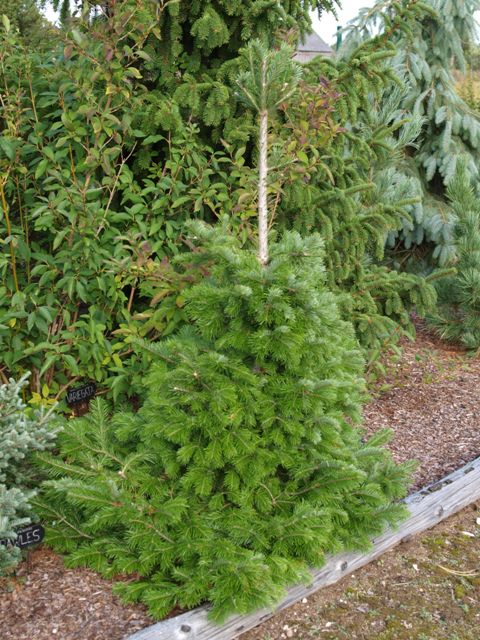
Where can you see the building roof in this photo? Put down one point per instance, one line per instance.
(313, 43)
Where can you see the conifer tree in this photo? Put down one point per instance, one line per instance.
(458, 315)
(243, 467)
(192, 53)
(349, 128)
(451, 130)
(427, 56)
(21, 432)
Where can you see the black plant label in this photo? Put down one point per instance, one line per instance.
(26, 537)
(81, 394)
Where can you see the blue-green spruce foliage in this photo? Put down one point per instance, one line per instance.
(21, 432)
(428, 54)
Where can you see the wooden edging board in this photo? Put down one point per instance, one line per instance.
(427, 507)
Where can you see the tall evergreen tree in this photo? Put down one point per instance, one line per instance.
(426, 60)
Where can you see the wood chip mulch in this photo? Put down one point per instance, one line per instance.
(47, 601)
(429, 399)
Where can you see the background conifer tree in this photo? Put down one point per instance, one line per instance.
(192, 54)
(458, 316)
(350, 135)
(428, 54)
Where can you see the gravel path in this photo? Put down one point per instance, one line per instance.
(429, 399)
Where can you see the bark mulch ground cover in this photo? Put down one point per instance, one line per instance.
(430, 400)
(47, 601)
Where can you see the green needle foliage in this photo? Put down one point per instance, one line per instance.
(349, 134)
(191, 55)
(458, 316)
(22, 431)
(271, 77)
(243, 466)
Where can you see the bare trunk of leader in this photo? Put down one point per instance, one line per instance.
(262, 190)
(262, 179)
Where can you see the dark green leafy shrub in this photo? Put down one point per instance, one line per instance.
(243, 466)
(85, 223)
(22, 431)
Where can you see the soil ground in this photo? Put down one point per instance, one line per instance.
(429, 399)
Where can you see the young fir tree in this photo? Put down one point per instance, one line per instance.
(21, 433)
(244, 466)
(458, 315)
(270, 79)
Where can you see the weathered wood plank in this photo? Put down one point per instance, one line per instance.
(427, 508)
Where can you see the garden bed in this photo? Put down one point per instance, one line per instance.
(429, 399)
